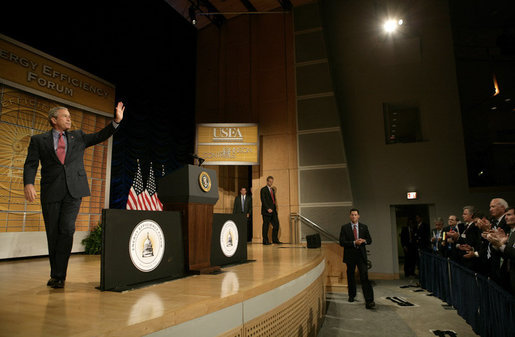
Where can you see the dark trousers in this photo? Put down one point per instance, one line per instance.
(410, 261)
(249, 229)
(60, 219)
(267, 219)
(368, 292)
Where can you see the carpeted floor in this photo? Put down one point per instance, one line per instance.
(425, 314)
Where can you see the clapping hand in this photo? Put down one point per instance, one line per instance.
(465, 247)
(497, 237)
(453, 235)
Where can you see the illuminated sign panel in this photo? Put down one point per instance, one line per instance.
(412, 195)
(228, 144)
(25, 68)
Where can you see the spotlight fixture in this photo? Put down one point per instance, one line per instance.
(391, 25)
(193, 15)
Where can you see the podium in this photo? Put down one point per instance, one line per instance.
(193, 191)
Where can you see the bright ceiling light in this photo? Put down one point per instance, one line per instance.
(390, 26)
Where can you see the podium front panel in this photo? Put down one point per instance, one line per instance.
(140, 247)
(229, 239)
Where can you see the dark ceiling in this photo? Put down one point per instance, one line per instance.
(484, 46)
(208, 12)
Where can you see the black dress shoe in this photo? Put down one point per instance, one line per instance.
(266, 243)
(51, 281)
(351, 299)
(370, 305)
(278, 242)
(58, 284)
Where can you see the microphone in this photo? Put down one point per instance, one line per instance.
(200, 160)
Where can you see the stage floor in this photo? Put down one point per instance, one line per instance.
(30, 308)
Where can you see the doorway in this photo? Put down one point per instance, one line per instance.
(402, 215)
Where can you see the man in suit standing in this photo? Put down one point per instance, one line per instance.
(498, 207)
(269, 212)
(505, 243)
(469, 240)
(452, 234)
(410, 248)
(63, 182)
(354, 237)
(422, 234)
(243, 205)
(436, 236)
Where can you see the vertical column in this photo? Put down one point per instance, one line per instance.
(324, 187)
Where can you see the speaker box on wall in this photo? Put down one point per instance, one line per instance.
(313, 241)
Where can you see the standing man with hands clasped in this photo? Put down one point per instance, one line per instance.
(354, 237)
(243, 205)
(63, 182)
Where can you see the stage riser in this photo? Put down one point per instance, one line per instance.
(295, 308)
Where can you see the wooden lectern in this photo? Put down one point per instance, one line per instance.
(193, 191)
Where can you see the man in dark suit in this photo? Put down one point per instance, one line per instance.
(243, 205)
(498, 207)
(469, 240)
(269, 212)
(422, 234)
(505, 244)
(437, 237)
(410, 248)
(452, 234)
(63, 182)
(354, 237)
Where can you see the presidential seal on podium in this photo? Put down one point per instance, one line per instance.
(205, 181)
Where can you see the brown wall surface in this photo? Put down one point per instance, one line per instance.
(245, 74)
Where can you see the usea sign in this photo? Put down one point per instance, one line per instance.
(228, 144)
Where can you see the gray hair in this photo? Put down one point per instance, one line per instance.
(471, 209)
(54, 112)
(439, 219)
(503, 203)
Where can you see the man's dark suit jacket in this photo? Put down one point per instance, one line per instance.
(56, 178)
(439, 243)
(422, 236)
(247, 205)
(266, 201)
(472, 236)
(502, 224)
(450, 249)
(508, 267)
(351, 253)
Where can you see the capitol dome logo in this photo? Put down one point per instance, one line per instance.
(147, 245)
(229, 238)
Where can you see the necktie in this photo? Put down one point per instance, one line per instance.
(436, 242)
(355, 230)
(494, 223)
(61, 148)
(243, 204)
(272, 194)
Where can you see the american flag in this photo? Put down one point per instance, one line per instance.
(135, 200)
(141, 199)
(151, 192)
